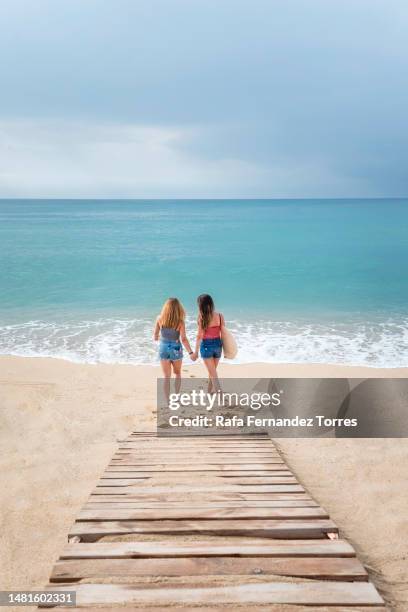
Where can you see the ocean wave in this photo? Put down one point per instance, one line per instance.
(126, 340)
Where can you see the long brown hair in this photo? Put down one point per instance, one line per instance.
(172, 314)
(206, 310)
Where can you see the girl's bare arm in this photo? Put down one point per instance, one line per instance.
(156, 332)
(200, 334)
(184, 339)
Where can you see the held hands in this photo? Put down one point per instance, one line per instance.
(193, 356)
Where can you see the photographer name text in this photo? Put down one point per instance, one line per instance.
(251, 420)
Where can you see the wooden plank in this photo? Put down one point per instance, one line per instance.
(198, 440)
(203, 493)
(196, 498)
(198, 454)
(209, 441)
(179, 476)
(197, 467)
(199, 461)
(129, 471)
(201, 488)
(186, 446)
(190, 441)
(187, 442)
(168, 452)
(322, 568)
(121, 502)
(119, 481)
(154, 433)
(165, 453)
(129, 514)
(210, 547)
(195, 448)
(210, 458)
(288, 529)
(206, 436)
(216, 477)
(193, 496)
(303, 593)
(202, 464)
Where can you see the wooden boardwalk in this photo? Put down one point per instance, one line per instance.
(210, 523)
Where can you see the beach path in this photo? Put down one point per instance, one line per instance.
(212, 523)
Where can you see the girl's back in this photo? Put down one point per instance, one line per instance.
(214, 328)
(170, 333)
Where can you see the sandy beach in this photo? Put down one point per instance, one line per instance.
(59, 426)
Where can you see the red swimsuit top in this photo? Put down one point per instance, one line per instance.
(213, 332)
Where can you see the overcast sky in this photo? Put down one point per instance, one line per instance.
(203, 98)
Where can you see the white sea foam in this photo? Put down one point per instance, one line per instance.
(125, 340)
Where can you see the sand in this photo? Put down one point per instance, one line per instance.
(59, 425)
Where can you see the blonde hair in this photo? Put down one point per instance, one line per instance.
(172, 314)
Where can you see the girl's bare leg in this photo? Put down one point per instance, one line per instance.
(166, 367)
(177, 373)
(214, 383)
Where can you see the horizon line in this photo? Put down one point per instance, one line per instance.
(195, 199)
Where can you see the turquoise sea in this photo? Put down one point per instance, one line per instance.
(297, 280)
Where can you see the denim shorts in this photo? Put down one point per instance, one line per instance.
(211, 348)
(170, 350)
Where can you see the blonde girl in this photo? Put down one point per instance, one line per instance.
(171, 331)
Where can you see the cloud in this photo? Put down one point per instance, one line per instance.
(75, 159)
(203, 99)
(79, 159)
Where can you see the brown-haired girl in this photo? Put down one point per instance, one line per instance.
(210, 324)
